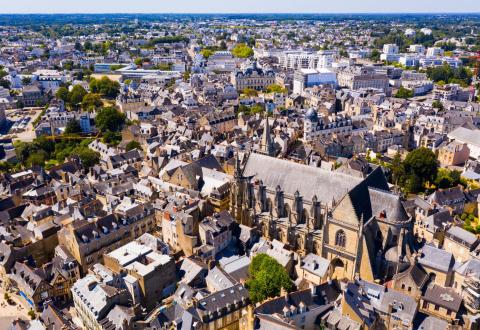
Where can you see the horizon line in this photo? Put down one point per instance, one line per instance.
(244, 13)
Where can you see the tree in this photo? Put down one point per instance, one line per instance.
(62, 94)
(437, 105)
(275, 89)
(242, 51)
(77, 94)
(5, 167)
(266, 278)
(73, 126)
(38, 158)
(447, 179)
(105, 87)
(420, 167)
(133, 145)
(404, 93)
(257, 108)
(110, 119)
(91, 102)
(26, 80)
(375, 55)
(32, 314)
(206, 52)
(398, 170)
(87, 156)
(249, 92)
(111, 138)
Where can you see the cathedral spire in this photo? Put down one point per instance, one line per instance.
(266, 145)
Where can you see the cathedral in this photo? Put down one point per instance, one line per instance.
(356, 223)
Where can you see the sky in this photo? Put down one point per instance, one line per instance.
(238, 6)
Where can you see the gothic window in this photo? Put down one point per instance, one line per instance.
(340, 238)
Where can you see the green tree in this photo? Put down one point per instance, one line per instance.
(133, 145)
(404, 93)
(375, 55)
(91, 102)
(26, 80)
(62, 94)
(206, 52)
(447, 179)
(437, 105)
(242, 51)
(421, 166)
(110, 119)
(266, 278)
(257, 108)
(105, 87)
(73, 127)
(398, 170)
(275, 89)
(111, 138)
(87, 156)
(249, 92)
(38, 158)
(77, 94)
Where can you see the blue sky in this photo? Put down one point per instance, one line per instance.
(237, 6)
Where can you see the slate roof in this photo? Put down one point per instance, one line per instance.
(433, 257)
(291, 176)
(462, 236)
(322, 295)
(444, 297)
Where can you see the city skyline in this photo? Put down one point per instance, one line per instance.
(247, 6)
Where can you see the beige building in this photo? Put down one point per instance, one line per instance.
(329, 217)
(453, 154)
(253, 78)
(441, 302)
(89, 241)
(154, 272)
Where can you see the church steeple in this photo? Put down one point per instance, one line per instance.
(266, 145)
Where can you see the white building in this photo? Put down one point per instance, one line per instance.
(299, 60)
(434, 51)
(410, 33)
(306, 78)
(468, 136)
(390, 49)
(419, 49)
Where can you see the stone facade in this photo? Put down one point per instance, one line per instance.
(311, 210)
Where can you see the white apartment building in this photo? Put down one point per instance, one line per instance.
(296, 60)
(434, 51)
(305, 78)
(419, 49)
(390, 49)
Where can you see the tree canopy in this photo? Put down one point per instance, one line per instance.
(266, 278)
(105, 87)
(133, 145)
(110, 119)
(404, 93)
(242, 51)
(420, 167)
(274, 88)
(73, 126)
(91, 102)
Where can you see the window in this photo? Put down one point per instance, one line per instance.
(340, 238)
